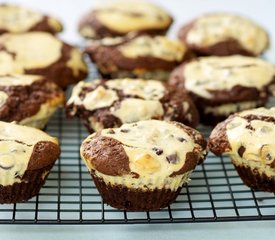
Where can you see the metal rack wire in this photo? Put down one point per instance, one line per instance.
(69, 196)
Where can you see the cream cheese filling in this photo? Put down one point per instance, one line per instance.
(17, 18)
(133, 109)
(147, 89)
(32, 50)
(126, 16)
(226, 109)
(3, 98)
(158, 47)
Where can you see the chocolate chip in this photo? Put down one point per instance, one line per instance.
(173, 158)
(250, 127)
(181, 139)
(111, 131)
(124, 130)
(158, 151)
(241, 150)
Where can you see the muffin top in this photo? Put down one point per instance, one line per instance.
(130, 100)
(36, 51)
(145, 149)
(24, 149)
(248, 135)
(207, 76)
(120, 17)
(17, 19)
(212, 29)
(133, 46)
(21, 96)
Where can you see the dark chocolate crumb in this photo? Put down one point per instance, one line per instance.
(241, 150)
(124, 130)
(134, 175)
(181, 139)
(173, 158)
(250, 127)
(158, 151)
(269, 157)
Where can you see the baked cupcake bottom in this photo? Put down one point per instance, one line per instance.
(22, 191)
(256, 180)
(257, 176)
(124, 198)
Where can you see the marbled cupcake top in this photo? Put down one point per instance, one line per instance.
(223, 73)
(130, 100)
(214, 28)
(17, 19)
(149, 149)
(248, 135)
(126, 16)
(40, 53)
(24, 148)
(28, 99)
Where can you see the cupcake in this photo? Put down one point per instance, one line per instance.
(29, 99)
(18, 19)
(106, 104)
(118, 18)
(26, 157)
(221, 86)
(135, 56)
(248, 138)
(142, 166)
(224, 34)
(43, 54)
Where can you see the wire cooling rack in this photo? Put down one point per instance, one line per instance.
(69, 196)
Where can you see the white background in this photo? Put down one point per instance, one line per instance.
(69, 11)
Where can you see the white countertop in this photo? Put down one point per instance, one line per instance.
(69, 11)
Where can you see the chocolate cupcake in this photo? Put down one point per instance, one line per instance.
(142, 166)
(121, 17)
(248, 138)
(42, 54)
(135, 56)
(28, 99)
(224, 34)
(221, 86)
(18, 19)
(26, 157)
(104, 104)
